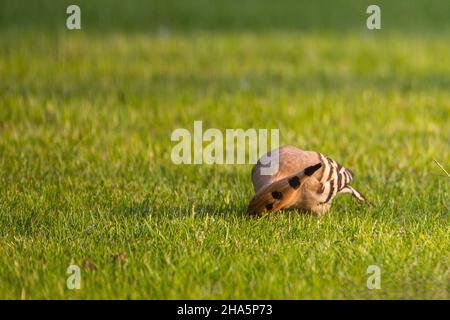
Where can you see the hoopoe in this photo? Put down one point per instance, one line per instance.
(305, 180)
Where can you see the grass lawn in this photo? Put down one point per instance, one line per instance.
(86, 176)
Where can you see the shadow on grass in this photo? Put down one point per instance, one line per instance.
(201, 209)
(219, 193)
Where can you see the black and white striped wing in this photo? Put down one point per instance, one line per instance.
(335, 178)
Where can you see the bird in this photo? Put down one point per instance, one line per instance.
(305, 180)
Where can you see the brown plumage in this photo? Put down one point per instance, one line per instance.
(305, 180)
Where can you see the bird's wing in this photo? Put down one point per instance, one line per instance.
(334, 173)
(290, 160)
(280, 194)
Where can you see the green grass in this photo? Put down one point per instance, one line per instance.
(86, 176)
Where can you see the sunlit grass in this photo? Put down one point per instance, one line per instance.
(86, 176)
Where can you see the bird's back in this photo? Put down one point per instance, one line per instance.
(291, 159)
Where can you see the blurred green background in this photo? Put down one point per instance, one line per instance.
(244, 15)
